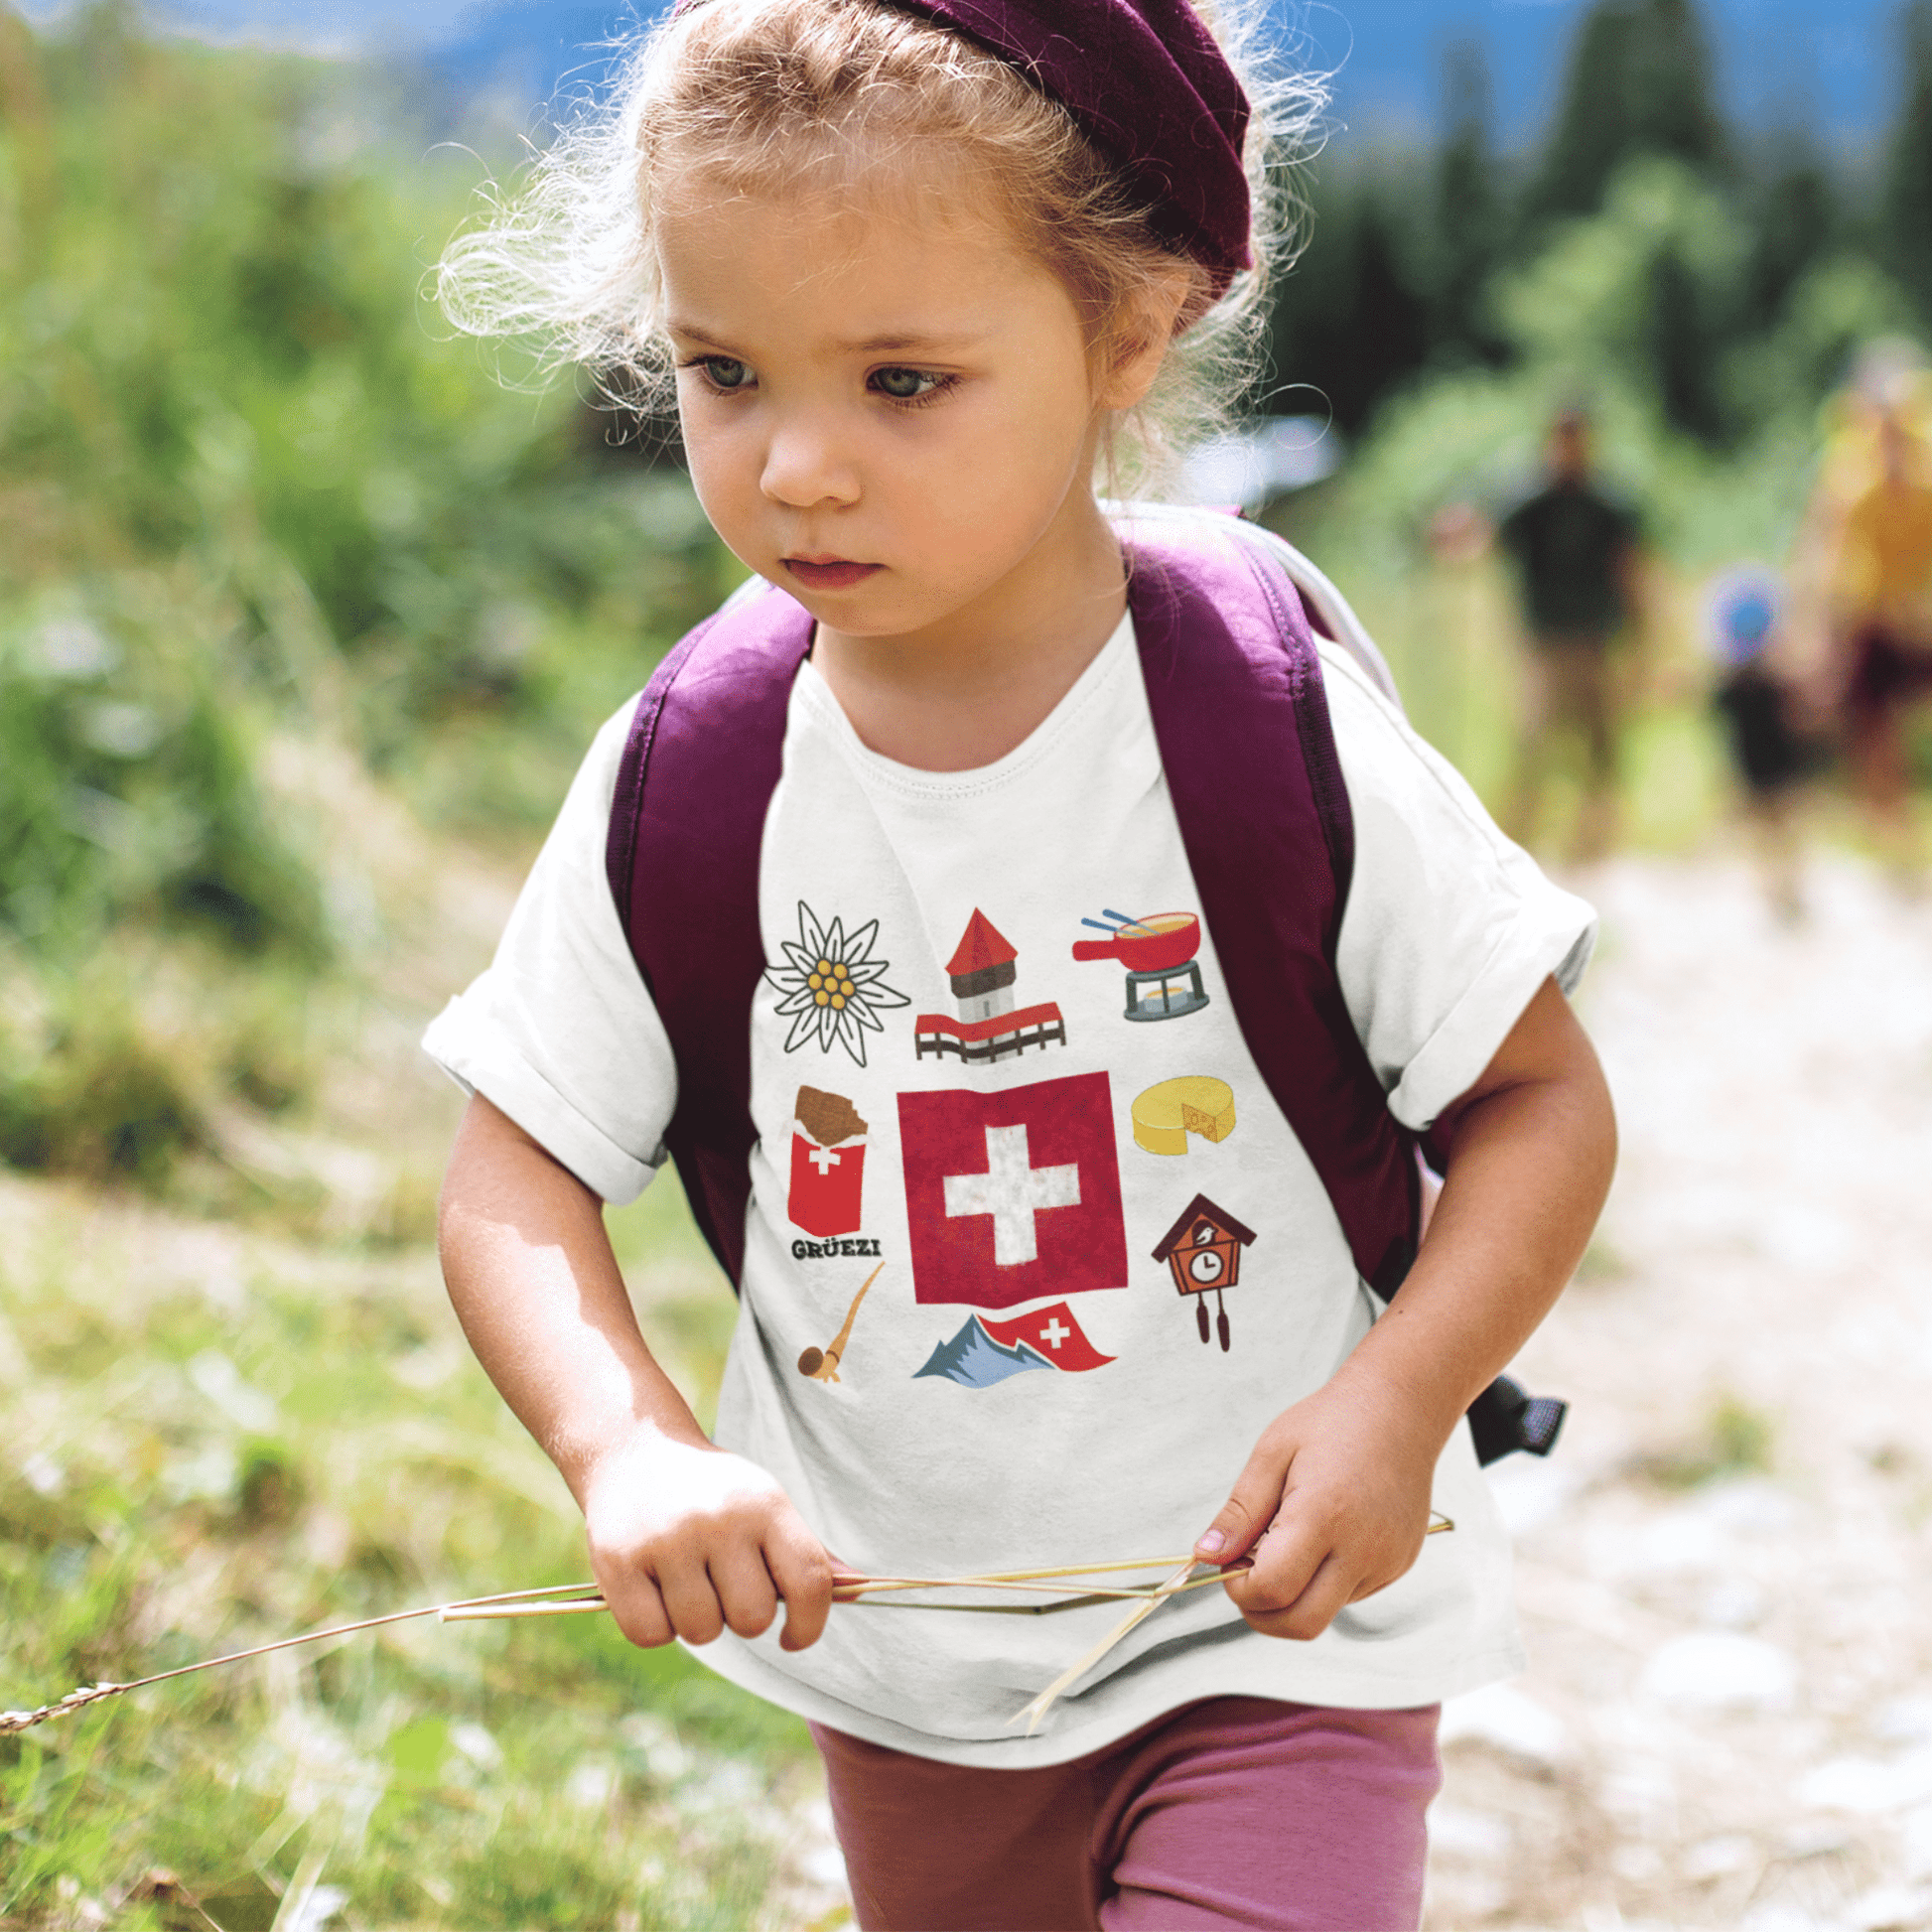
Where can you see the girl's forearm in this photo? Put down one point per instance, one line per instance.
(1531, 1150)
(541, 1298)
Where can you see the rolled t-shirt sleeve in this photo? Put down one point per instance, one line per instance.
(560, 1032)
(1449, 926)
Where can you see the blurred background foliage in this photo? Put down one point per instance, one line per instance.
(1724, 273)
(1701, 288)
(304, 619)
(250, 491)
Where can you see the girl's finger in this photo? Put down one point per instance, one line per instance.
(744, 1589)
(690, 1602)
(1251, 1504)
(802, 1573)
(638, 1608)
(1329, 1593)
(1285, 1563)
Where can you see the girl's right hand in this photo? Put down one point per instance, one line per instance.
(686, 1539)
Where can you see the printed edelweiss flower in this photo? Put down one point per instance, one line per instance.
(832, 985)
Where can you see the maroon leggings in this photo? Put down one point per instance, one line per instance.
(1232, 1812)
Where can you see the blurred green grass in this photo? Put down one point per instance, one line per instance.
(192, 1472)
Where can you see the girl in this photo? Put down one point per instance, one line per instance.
(918, 269)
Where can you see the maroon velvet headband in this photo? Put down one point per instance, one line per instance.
(1149, 88)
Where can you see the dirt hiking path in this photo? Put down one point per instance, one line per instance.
(1724, 1571)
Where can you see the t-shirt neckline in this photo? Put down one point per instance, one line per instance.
(874, 767)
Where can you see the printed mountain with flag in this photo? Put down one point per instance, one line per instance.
(985, 1352)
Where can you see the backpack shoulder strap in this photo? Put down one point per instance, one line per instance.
(703, 759)
(1327, 609)
(1234, 683)
(1330, 615)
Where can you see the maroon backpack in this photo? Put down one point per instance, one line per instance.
(1234, 682)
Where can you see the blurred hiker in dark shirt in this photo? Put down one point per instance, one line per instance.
(1576, 552)
(1770, 754)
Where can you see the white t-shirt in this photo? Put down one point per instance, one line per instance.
(1069, 1176)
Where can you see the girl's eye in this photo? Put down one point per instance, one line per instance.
(726, 372)
(908, 386)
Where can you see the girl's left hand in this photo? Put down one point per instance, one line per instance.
(1332, 1506)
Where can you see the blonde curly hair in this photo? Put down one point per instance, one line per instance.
(764, 95)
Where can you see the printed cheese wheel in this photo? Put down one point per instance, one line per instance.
(1166, 1114)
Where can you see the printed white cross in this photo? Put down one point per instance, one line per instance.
(1012, 1190)
(823, 1159)
(1054, 1333)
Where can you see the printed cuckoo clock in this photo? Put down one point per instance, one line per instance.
(1204, 1252)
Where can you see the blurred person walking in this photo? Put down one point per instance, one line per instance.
(1879, 591)
(1577, 551)
(1759, 704)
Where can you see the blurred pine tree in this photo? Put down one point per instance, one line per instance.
(1672, 83)
(1905, 213)
(1591, 130)
(1639, 82)
(1470, 217)
(1686, 344)
(1352, 323)
(1794, 221)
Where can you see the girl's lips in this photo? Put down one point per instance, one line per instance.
(831, 576)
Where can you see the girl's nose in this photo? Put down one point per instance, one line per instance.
(804, 467)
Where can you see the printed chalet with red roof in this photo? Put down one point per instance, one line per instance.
(982, 973)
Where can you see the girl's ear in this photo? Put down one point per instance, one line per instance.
(1130, 353)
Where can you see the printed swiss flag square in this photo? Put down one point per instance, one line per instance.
(1012, 1197)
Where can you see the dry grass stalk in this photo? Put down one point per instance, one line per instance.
(871, 1586)
(851, 1587)
(14, 1720)
(577, 1599)
(479, 1613)
(1077, 1570)
(1178, 1585)
(11, 1721)
(862, 1592)
(989, 1577)
(1087, 1601)
(1135, 1617)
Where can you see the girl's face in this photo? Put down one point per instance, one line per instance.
(889, 412)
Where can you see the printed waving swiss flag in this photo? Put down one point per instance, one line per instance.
(1014, 1195)
(1054, 1333)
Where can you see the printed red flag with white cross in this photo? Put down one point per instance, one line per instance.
(1012, 1197)
(1054, 1334)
